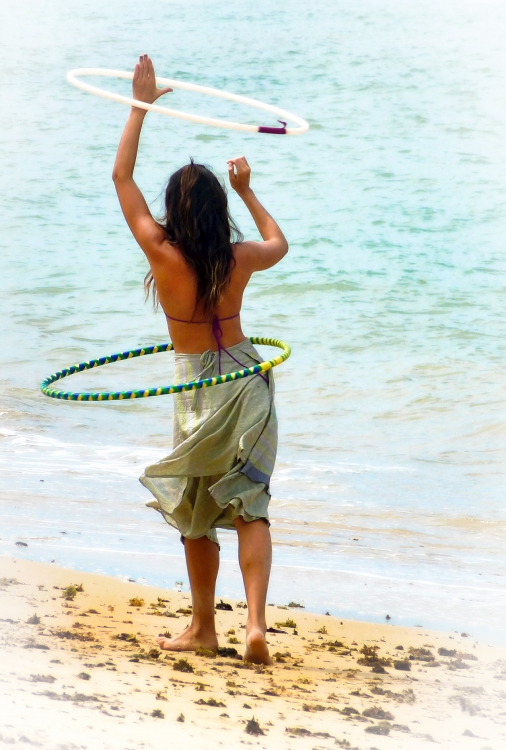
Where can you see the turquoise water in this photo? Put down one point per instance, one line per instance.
(388, 495)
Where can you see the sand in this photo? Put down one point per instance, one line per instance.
(80, 669)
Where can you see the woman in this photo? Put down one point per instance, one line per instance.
(225, 437)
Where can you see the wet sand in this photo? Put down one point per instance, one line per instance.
(80, 669)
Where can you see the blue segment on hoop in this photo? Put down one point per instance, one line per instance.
(160, 390)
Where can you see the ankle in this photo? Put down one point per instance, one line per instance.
(202, 625)
(256, 625)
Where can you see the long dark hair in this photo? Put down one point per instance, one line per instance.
(198, 221)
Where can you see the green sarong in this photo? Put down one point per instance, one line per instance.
(224, 447)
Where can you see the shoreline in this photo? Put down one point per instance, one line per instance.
(352, 593)
(85, 672)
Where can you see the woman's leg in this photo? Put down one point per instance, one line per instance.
(202, 561)
(255, 557)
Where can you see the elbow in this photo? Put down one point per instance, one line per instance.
(285, 248)
(120, 176)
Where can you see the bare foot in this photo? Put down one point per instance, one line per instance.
(257, 651)
(189, 640)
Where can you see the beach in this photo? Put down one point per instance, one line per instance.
(80, 669)
(388, 490)
(387, 598)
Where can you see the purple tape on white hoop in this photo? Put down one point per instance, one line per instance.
(274, 131)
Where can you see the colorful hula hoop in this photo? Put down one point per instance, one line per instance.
(163, 390)
(302, 125)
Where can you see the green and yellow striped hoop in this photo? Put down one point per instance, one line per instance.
(163, 390)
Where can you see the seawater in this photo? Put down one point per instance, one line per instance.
(388, 496)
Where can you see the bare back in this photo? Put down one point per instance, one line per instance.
(177, 288)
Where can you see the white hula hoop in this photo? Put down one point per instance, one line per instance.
(302, 125)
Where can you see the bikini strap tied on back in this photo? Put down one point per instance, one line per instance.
(218, 335)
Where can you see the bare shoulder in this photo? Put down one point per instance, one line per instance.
(168, 266)
(258, 256)
(166, 254)
(244, 251)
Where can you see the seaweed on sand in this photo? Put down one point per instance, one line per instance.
(370, 657)
(280, 658)
(404, 665)
(152, 654)
(350, 711)
(136, 602)
(70, 593)
(376, 712)
(407, 696)
(76, 698)
(8, 582)
(420, 654)
(224, 606)
(69, 635)
(158, 605)
(288, 623)
(211, 702)
(313, 707)
(299, 731)
(467, 657)
(382, 728)
(253, 727)
(334, 645)
(303, 732)
(457, 664)
(128, 637)
(183, 665)
(473, 709)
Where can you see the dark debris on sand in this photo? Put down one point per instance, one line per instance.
(253, 727)
(183, 665)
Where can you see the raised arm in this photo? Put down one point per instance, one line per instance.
(264, 254)
(144, 228)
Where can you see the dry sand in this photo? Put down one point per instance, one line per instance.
(86, 673)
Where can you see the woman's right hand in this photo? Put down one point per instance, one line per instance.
(239, 173)
(144, 86)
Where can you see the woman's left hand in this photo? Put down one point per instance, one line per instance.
(144, 86)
